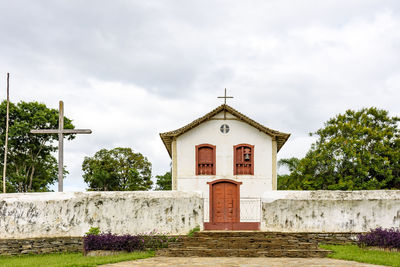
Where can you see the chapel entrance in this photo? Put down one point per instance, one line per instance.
(225, 202)
(224, 207)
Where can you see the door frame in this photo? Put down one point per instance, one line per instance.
(237, 225)
(237, 219)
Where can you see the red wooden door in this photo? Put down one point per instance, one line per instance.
(225, 202)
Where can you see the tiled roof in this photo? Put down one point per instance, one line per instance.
(168, 136)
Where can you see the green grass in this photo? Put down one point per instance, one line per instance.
(69, 259)
(193, 231)
(354, 253)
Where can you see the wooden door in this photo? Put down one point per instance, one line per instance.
(225, 202)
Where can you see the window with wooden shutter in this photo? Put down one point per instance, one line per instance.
(205, 159)
(243, 159)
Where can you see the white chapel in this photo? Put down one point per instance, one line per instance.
(226, 156)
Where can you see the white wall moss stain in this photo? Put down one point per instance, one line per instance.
(173, 212)
(330, 211)
(72, 214)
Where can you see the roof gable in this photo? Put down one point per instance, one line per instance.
(167, 137)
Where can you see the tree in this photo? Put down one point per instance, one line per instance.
(357, 150)
(284, 180)
(30, 164)
(164, 182)
(118, 169)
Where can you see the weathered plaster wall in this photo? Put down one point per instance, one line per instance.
(72, 214)
(330, 211)
(239, 133)
(43, 215)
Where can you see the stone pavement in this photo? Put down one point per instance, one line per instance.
(233, 262)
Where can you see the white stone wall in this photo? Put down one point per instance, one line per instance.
(330, 211)
(240, 132)
(72, 214)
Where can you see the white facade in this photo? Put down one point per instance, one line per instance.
(209, 132)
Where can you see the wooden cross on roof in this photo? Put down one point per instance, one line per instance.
(61, 131)
(225, 97)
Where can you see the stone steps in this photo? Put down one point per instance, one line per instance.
(204, 252)
(253, 234)
(257, 245)
(244, 244)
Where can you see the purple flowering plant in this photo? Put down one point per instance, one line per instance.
(384, 238)
(108, 241)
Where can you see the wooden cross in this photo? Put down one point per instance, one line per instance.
(225, 97)
(61, 131)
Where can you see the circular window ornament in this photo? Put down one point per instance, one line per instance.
(224, 128)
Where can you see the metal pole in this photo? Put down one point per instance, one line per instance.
(6, 142)
(60, 146)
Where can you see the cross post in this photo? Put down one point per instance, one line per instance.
(60, 146)
(61, 131)
(225, 97)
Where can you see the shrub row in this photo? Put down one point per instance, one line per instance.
(384, 238)
(113, 242)
(108, 241)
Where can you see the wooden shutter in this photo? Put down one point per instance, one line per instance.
(243, 159)
(205, 159)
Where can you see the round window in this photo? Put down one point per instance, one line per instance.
(224, 128)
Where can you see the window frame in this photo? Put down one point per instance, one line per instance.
(197, 148)
(235, 171)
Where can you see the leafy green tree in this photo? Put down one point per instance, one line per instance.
(30, 163)
(118, 169)
(284, 180)
(164, 182)
(357, 150)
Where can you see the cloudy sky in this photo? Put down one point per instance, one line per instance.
(129, 70)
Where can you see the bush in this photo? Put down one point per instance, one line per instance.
(93, 231)
(113, 242)
(129, 243)
(384, 238)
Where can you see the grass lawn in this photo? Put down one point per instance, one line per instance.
(69, 259)
(354, 253)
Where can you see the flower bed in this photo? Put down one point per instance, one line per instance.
(129, 243)
(383, 238)
(113, 242)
